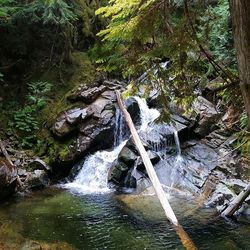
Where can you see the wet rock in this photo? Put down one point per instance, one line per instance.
(134, 110)
(245, 209)
(155, 158)
(207, 116)
(37, 179)
(153, 99)
(127, 156)
(118, 173)
(220, 197)
(8, 179)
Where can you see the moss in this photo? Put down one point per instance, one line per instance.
(81, 71)
(55, 150)
(64, 152)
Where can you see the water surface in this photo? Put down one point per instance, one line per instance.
(102, 221)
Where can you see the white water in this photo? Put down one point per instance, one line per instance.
(179, 159)
(94, 173)
(147, 115)
(92, 178)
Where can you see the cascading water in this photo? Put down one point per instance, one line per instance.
(177, 142)
(93, 175)
(177, 169)
(119, 128)
(147, 115)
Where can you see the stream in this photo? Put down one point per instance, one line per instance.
(102, 221)
(86, 213)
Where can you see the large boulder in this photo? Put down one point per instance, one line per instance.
(134, 110)
(208, 116)
(8, 179)
(67, 121)
(87, 127)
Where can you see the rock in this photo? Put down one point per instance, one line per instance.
(110, 95)
(154, 97)
(74, 116)
(134, 110)
(38, 164)
(106, 117)
(245, 210)
(66, 122)
(37, 179)
(207, 116)
(87, 94)
(118, 173)
(97, 107)
(114, 84)
(8, 179)
(220, 197)
(155, 158)
(230, 118)
(127, 156)
(22, 172)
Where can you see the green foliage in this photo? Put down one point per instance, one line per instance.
(139, 34)
(7, 8)
(243, 142)
(25, 120)
(53, 12)
(215, 27)
(243, 121)
(38, 94)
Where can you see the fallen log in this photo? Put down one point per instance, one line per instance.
(186, 241)
(6, 155)
(236, 203)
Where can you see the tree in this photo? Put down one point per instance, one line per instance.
(139, 34)
(240, 13)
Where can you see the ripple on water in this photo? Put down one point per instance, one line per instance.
(103, 222)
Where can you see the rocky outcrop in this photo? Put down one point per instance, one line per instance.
(208, 168)
(86, 127)
(207, 116)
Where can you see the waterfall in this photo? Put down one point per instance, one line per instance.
(147, 115)
(177, 142)
(92, 178)
(178, 166)
(119, 127)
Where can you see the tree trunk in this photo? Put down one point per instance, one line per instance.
(240, 13)
(237, 202)
(186, 241)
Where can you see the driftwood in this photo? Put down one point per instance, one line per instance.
(6, 155)
(235, 204)
(186, 241)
